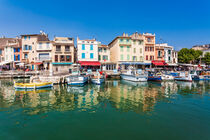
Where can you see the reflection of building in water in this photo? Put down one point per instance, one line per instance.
(87, 100)
(169, 88)
(7, 95)
(136, 98)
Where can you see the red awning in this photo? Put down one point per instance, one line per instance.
(37, 63)
(159, 63)
(90, 63)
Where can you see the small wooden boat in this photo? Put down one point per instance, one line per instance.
(184, 77)
(32, 85)
(134, 76)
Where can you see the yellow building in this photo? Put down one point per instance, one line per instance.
(128, 50)
(63, 51)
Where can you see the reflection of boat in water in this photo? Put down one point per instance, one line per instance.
(134, 83)
(24, 91)
(77, 90)
(184, 84)
(32, 85)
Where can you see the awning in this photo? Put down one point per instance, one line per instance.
(37, 63)
(62, 63)
(159, 63)
(90, 63)
(20, 64)
(135, 63)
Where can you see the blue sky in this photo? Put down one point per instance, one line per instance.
(181, 23)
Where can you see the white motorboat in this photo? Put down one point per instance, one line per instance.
(134, 75)
(77, 80)
(183, 76)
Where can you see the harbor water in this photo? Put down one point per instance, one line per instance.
(115, 110)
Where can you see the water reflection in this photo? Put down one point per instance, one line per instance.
(121, 95)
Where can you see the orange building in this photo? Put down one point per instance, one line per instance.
(149, 52)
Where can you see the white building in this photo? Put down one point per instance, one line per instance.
(87, 53)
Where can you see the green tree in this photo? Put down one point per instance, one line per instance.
(184, 56)
(189, 55)
(207, 58)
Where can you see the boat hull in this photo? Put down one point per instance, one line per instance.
(154, 78)
(33, 85)
(76, 81)
(134, 78)
(183, 79)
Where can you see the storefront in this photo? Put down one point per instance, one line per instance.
(136, 65)
(93, 65)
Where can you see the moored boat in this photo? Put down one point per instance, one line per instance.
(33, 85)
(98, 78)
(134, 75)
(184, 77)
(77, 80)
(154, 77)
(166, 77)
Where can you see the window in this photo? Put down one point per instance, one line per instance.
(58, 48)
(105, 57)
(56, 58)
(25, 37)
(105, 50)
(127, 40)
(0, 52)
(128, 57)
(134, 41)
(134, 58)
(140, 50)
(169, 51)
(149, 40)
(159, 53)
(146, 57)
(134, 50)
(68, 58)
(121, 40)
(99, 49)
(140, 42)
(67, 48)
(62, 58)
(91, 55)
(141, 58)
(14, 57)
(30, 47)
(83, 55)
(14, 49)
(25, 55)
(128, 49)
(25, 47)
(121, 57)
(18, 57)
(18, 49)
(169, 58)
(91, 47)
(121, 48)
(151, 57)
(83, 46)
(29, 37)
(99, 57)
(40, 45)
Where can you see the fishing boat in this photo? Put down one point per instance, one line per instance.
(134, 75)
(98, 78)
(77, 80)
(154, 76)
(183, 76)
(33, 85)
(202, 75)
